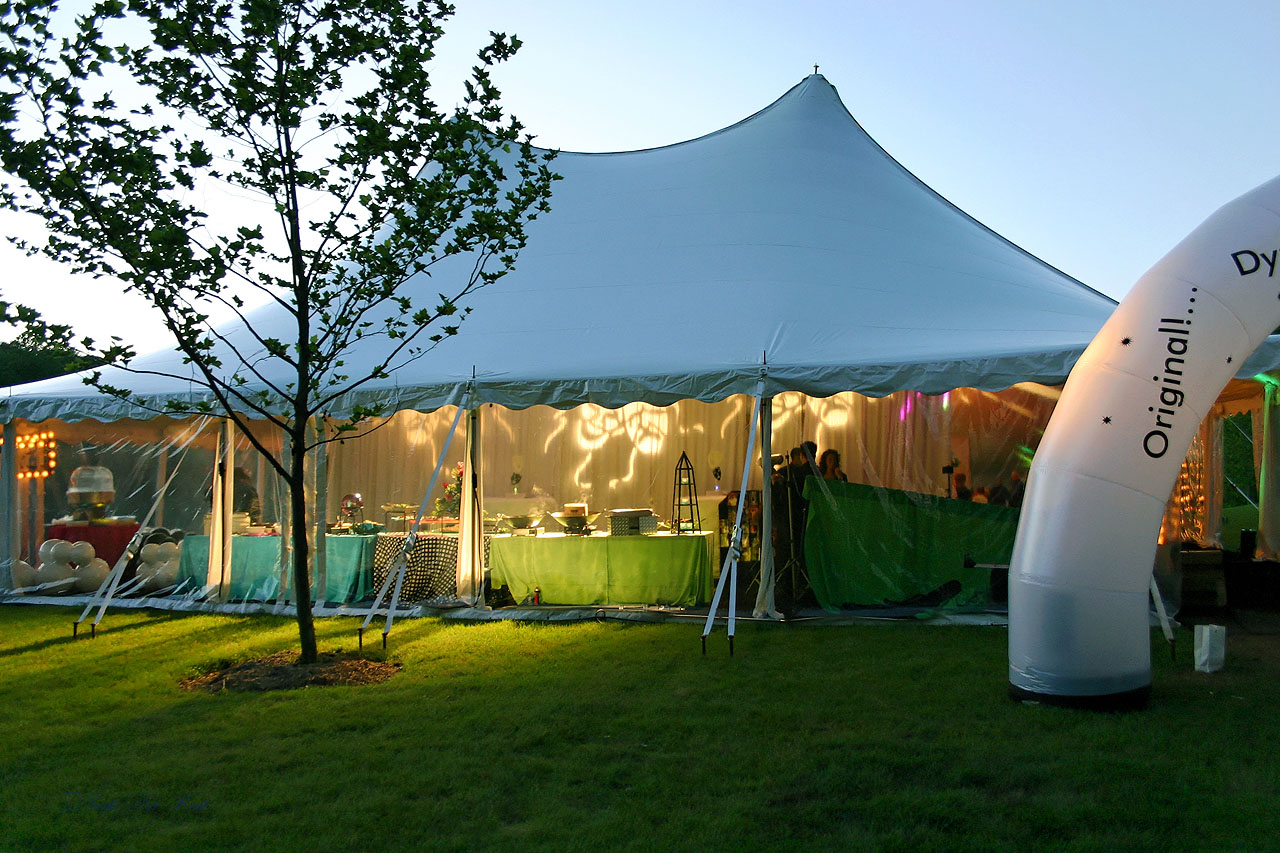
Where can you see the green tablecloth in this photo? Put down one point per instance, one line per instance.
(883, 546)
(255, 566)
(657, 569)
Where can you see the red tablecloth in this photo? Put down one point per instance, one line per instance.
(108, 540)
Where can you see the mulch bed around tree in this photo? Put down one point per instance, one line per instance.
(281, 671)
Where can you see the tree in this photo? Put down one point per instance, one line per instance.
(40, 350)
(35, 355)
(320, 107)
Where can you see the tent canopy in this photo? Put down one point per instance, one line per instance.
(672, 273)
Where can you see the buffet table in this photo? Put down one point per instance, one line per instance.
(656, 569)
(432, 568)
(255, 566)
(108, 540)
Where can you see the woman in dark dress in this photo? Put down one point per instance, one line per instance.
(829, 466)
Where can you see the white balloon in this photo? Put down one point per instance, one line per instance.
(89, 577)
(1078, 583)
(23, 574)
(59, 551)
(46, 549)
(81, 553)
(54, 571)
(166, 575)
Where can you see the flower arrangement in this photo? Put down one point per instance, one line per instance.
(450, 506)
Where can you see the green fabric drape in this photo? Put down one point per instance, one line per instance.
(868, 546)
(605, 569)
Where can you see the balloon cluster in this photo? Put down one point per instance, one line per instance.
(158, 566)
(154, 566)
(65, 567)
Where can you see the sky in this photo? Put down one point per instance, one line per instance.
(1093, 134)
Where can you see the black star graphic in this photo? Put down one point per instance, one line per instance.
(1126, 342)
(1229, 359)
(1107, 419)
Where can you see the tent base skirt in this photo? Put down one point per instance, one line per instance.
(1127, 700)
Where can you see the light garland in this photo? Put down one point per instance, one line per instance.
(37, 455)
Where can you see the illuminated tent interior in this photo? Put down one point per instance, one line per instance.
(618, 457)
(787, 255)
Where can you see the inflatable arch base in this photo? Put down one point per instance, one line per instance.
(1130, 700)
(1096, 653)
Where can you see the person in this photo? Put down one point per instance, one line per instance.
(1017, 489)
(979, 495)
(789, 517)
(963, 492)
(244, 496)
(999, 494)
(798, 471)
(829, 466)
(810, 449)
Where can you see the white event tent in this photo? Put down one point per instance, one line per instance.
(669, 273)
(785, 253)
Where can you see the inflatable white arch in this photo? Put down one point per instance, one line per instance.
(1079, 629)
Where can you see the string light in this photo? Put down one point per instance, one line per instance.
(37, 455)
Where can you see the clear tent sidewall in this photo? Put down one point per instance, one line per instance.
(620, 439)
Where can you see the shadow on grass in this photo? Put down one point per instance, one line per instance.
(86, 634)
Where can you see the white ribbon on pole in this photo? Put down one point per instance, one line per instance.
(396, 572)
(729, 570)
(109, 586)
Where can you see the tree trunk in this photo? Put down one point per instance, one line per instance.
(301, 546)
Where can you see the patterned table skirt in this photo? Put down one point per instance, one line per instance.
(432, 570)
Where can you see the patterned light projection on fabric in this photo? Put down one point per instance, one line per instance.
(1102, 475)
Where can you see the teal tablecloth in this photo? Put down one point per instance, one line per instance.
(657, 569)
(255, 566)
(883, 546)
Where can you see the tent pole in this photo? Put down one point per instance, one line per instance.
(765, 606)
(283, 519)
(213, 570)
(228, 504)
(470, 568)
(10, 539)
(1212, 479)
(162, 474)
(37, 517)
(1269, 476)
(320, 551)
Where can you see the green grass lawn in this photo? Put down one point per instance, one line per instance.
(616, 736)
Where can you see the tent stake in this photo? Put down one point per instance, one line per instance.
(93, 630)
(704, 646)
(360, 633)
(75, 628)
(384, 640)
(730, 646)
